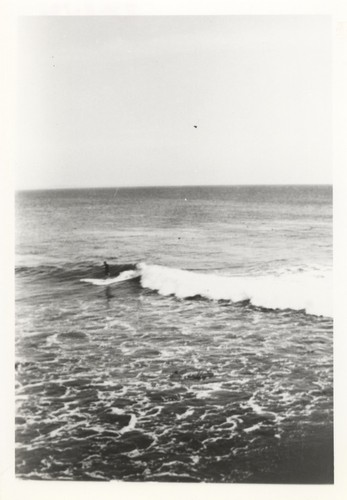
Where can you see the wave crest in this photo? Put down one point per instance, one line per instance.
(307, 291)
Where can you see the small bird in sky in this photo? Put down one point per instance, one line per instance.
(195, 126)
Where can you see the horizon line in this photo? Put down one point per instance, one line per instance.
(75, 188)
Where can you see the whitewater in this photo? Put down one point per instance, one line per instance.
(309, 291)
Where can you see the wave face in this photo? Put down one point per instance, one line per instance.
(306, 290)
(70, 272)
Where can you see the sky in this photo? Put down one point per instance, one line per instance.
(108, 101)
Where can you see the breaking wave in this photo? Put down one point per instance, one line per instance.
(299, 291)
(307, 291)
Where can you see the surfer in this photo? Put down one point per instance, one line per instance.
(107, 269)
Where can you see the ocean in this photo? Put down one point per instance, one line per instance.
(206, 355)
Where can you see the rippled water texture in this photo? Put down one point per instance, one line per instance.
(128, 382)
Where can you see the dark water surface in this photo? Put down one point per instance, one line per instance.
(211, 362)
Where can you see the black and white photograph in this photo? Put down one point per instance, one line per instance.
(174, 249)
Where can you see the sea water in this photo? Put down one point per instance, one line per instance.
(206, 355)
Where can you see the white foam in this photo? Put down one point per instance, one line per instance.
(186, 414)
(124, 276)
(305, 290)
(254, 427)
(117, 411)
(131, 425)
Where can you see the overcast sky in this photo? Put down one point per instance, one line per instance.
(112, 101)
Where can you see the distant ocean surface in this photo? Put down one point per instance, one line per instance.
(206, 355)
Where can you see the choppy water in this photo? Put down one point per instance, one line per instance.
(211, 362)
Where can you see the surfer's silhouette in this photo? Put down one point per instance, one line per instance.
(107, 269)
